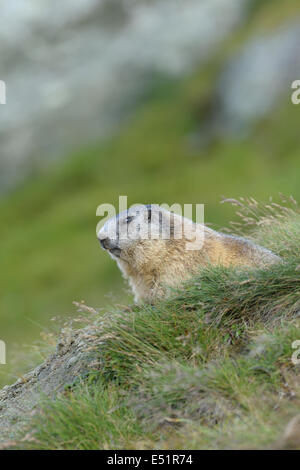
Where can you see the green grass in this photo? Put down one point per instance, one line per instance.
(91, 419)
(209, 367)
(49, 253)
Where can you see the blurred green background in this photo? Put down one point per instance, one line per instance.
(160, 154)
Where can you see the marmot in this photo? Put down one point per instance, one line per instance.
(155, 249)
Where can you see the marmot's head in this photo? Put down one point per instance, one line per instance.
(142, 234)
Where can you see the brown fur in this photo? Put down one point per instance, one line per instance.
(153, 265)
(157, 264)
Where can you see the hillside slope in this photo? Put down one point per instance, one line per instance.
(49, 253)
(215, 366)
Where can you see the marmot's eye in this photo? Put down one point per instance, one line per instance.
(129, 219)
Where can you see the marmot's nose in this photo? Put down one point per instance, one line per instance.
(105, 243)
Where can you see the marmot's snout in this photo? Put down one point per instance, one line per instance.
(121, 232)
(105, 243)
(110, 245)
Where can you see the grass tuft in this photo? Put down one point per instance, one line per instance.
(210, 367)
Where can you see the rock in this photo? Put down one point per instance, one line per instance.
(74, 357)
(75, 70)
(254, 82)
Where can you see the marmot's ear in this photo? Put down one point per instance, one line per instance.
(151, 208)
(149, 213)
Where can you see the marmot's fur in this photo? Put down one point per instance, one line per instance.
(155, 248)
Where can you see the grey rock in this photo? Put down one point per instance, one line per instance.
(75, 70)
(256, 80)
(73, 359)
